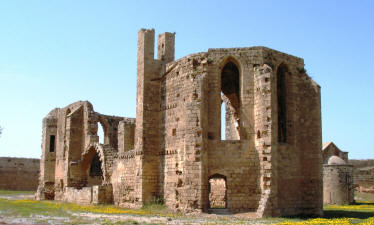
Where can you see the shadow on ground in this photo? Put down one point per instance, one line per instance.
(329, 214)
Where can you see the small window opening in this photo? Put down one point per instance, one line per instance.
(258, 134)
(174, 132)
(282, 108)
(217, 192)
(52, 143)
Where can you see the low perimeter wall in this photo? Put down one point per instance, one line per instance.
(21, 174)
(98, 194)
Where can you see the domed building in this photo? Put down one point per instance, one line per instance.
(337, 176)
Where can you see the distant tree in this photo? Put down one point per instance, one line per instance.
(1, 130)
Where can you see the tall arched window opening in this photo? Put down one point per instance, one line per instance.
(282, 103)
(231, 101)
(223, 118)
(100, 133)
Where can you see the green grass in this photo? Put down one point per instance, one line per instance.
(29, 207)
(50, 209)
(26, 208)
(10, 192)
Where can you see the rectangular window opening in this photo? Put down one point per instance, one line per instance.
(52, 143)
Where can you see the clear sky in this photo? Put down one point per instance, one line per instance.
(53, 53)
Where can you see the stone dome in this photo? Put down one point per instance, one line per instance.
(336, 160)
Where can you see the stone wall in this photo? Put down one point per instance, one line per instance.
(97, 194)
(71, 143)
(364, 179)
(296, 162)
(79, 196)
(123, 180)
(21, 174)
(363, 173)
(126, 135)
(181, 177)
(262, 175)
(361, 163)
(239, 165)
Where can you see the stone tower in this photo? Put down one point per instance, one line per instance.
(48, 160)
(338, 182)
(148, 113)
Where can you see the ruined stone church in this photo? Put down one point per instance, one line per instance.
(269, 162)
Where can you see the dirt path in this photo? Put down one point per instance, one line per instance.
(90, 218)
(93, 218)
(18, 196)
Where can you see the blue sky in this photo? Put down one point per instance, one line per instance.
(53, 53)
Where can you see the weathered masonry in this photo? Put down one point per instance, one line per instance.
(268, 162)
(19, 173)
(75, 166)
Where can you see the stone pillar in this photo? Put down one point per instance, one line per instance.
(195, 193)
(165, 47)
(148, 119)
(264, 129)
(126, 132)
(74, 176)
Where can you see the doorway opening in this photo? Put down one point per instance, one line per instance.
(95, 173)
(217, 192)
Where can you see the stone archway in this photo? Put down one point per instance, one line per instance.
(93, 165)
(95, 172)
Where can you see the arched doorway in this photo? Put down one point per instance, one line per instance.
(95, 173)
(92, 167)
(217, 192)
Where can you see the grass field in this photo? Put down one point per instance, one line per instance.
(7, 192)
(50, 212)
